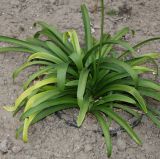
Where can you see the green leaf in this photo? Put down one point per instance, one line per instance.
(142, 83)
(51, 29)
(40, 97)
(141, 69)
(44, 56)
(140, 44)
(128, 109)
(84, 106)
(77, 59)
(74, 41)
(28, 64)
(143, 58)
(154, 119)
(40, 115)
(15, 49)
(150, 93)
(154, 111)
(72, 83)
(37, 42)
(23, 44)
(39, 73)
(116, 97)
(120, 121)
(57, 100)
(87, 27)
(61, 75)
(149, 84)
(102, 27)
(19, 130)
(127, 89)
(56, 50)
(82, 85)
(106, 132)
(112, 77)
(96, 47)
(27, 92)
(27, 123)
(50, 111)
(123, 65)
(53, 38)
(54, 33)
(117, 36)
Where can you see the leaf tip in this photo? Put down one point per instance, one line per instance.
(9, 108)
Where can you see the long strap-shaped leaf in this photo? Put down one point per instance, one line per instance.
(155, 111)
(143, 58)
(117, 36)
(15, 49)
(52, 38)
(154, 119)
(102, 27)
(150, 93)
(110, 79)
(51, 110)
(61, 75)
(143, 83)
(128, 89)
(37, 74)
(39, 116)
(140, 44)
(84, 106)
(23, 44)
(82, 85)
(37, 42)
(96, 47)
(106, 132)
(27, 92)
(128, 109)
(57, 51)
(116, 97)
(49, 103)
(120, 121)
(40, 98)
(44, 56)
(28, 64)
(77, 60)
(58, 35)
(142, 69)
(125, 66)
(51, 29)
(87, 27)
(74, 41)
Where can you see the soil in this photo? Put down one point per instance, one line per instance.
(52, 138)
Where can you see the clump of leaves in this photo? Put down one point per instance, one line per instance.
(98, 78)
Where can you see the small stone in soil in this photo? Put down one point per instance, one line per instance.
(88, 148)
(5, 145)
(121, 144)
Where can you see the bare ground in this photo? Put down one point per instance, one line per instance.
(52, 138)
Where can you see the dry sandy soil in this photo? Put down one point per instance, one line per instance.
(52, 138)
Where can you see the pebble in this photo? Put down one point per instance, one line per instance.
(5, 145)
(88, 148)
(121, 144)
(16, 148)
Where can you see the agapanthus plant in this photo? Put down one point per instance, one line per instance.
(99, 78)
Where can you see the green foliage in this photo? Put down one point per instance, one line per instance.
(97, 79)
